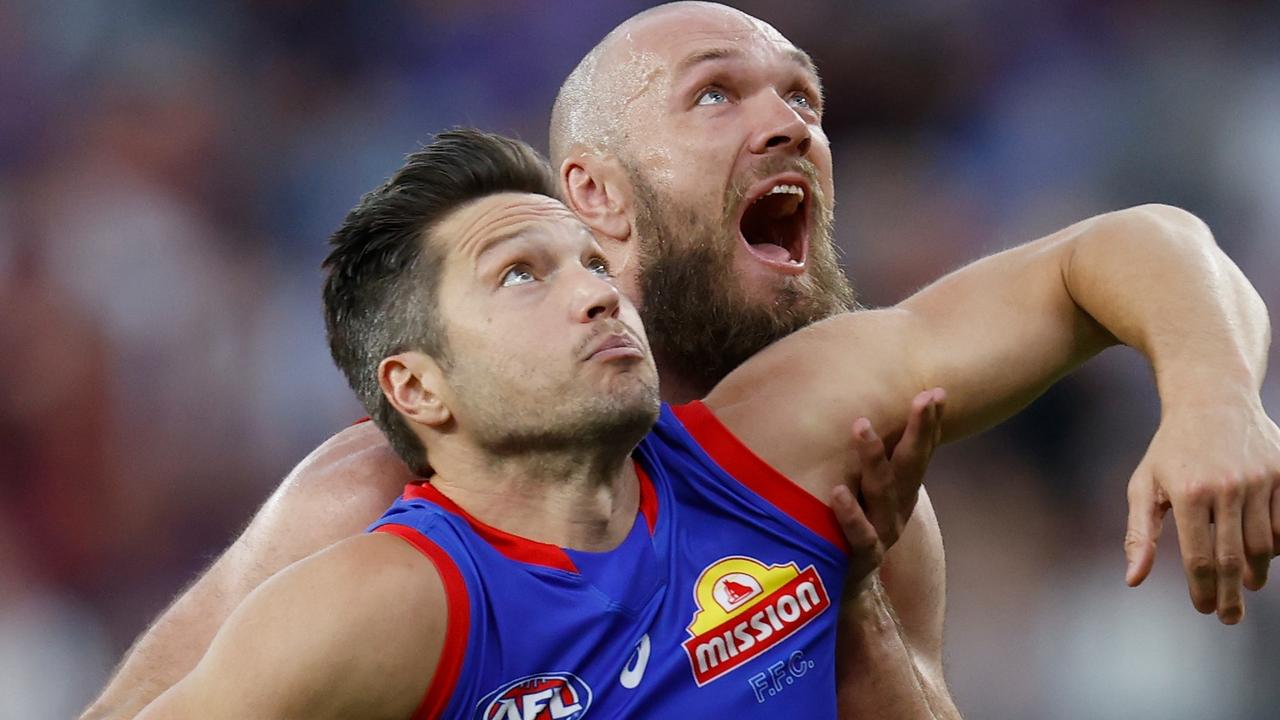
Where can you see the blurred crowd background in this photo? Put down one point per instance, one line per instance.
(169, 172)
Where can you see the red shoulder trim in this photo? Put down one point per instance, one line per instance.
(458, 618)
(512, 546)
(364, 419)
(757, 475)
(648, 498)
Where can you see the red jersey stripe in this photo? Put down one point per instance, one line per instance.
(512, 546)
(459, 622)
(756, 475)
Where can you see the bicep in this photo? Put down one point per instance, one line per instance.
(794, 403)
(994, 334)
(999, 331)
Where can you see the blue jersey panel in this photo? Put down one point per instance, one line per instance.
(721, 600)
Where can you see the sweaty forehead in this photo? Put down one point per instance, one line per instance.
(467, 230)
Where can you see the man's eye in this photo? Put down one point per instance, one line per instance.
(801, 101)
(712, 96)
(518, 275)
(599, 267)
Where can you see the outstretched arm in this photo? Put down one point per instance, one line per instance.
(333, 494)
(353, 631)
(998, 332)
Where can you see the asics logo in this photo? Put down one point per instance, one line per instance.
(633, 672)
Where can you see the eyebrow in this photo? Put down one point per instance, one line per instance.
(797, 55)
(517, 233)
(503, 239)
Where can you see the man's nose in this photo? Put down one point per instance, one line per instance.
(781, 129)
(593, 297)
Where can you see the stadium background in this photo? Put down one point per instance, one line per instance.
(169, 171)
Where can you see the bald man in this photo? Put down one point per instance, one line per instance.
(674, 140)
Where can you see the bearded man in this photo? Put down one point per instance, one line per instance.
(668, 136)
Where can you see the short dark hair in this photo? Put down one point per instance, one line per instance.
(382, 272)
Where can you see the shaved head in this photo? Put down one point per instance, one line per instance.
(667, 138)
(591, 110)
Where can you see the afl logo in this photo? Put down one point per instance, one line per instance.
(547, 696)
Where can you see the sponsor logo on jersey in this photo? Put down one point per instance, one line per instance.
(547, 696)
(745, 608)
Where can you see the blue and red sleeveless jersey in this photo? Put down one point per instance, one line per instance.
(721, 602)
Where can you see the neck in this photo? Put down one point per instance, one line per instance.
(584, 498)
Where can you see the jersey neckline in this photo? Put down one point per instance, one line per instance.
(522, 549)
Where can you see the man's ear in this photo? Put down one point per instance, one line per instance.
(597, 189)
(413, 383)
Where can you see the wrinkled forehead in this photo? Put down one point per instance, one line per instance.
(471, 229)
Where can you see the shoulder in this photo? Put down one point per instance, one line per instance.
(334, 493)
(357, 459)
(356, 626)
(378, 572)
(794, 402)
(355, 586)
(342, 486)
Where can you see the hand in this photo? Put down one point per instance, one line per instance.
(1218, 466)
(876, 502)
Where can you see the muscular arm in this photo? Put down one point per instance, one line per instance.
(333, 494)
(996, 334)
(354, 631)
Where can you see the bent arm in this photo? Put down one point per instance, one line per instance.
(1151, 277)
(332, 494)
(340, 634)
(998, 332)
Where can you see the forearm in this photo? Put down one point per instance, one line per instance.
(162, 656)
(332, 494)
(878, 674)
(1155, 279)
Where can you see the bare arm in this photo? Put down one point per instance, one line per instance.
(353, 631)
(996, 333)
(1153, 278)
(889, 636)
(889, 642)
(333, 494)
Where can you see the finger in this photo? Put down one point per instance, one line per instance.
(1258, 543)
(1275, 519)
(912, 453)
(878, 489)
(1146, 521)
(865, 553)
(1229, 552)
(1192, 516)
(939, 404)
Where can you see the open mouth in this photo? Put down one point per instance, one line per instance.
(775, 222)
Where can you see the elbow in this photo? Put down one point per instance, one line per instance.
(1166, 222)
